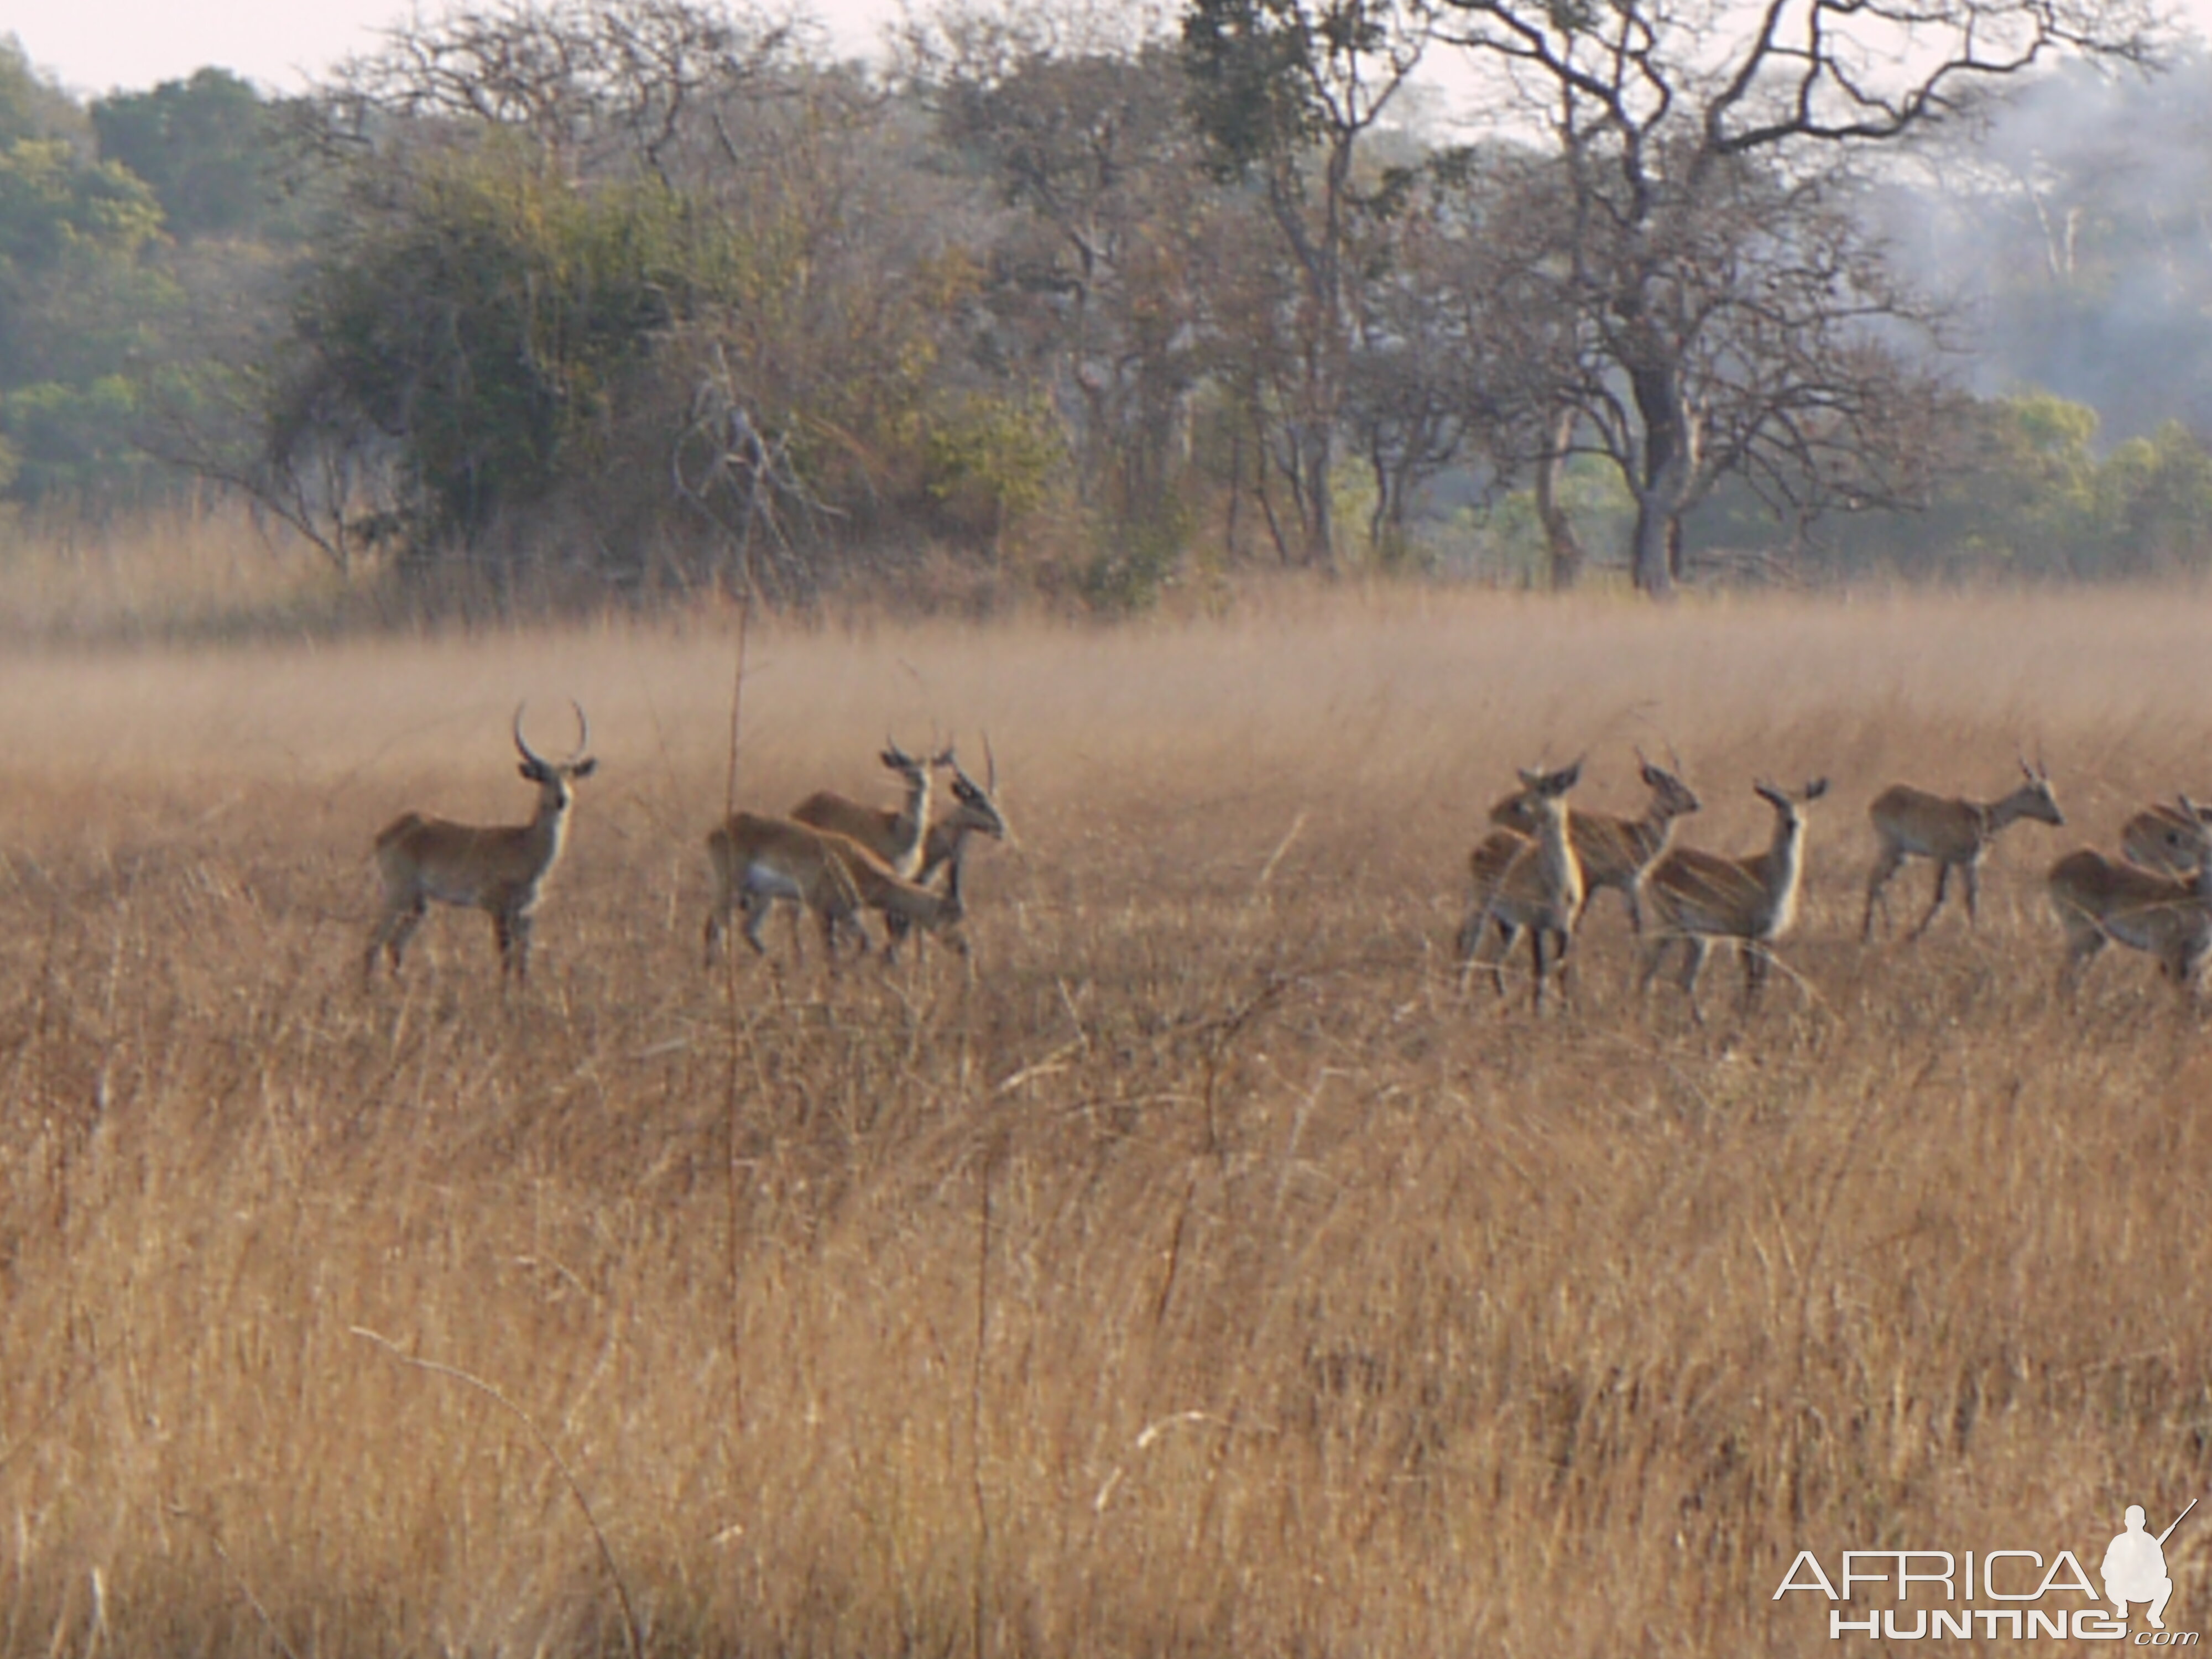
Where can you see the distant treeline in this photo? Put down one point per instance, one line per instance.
(581, 301)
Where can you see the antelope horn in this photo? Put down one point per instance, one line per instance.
(522, 744)
(583, 732)
(991, 767)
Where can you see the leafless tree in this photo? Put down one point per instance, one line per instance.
(588, 81)
(1705, 153)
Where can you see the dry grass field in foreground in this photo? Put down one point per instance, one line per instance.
(1206, 1274)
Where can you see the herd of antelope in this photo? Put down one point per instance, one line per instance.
(833, 856)
(1536, 873)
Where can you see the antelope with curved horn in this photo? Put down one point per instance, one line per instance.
(896, 837)
(1537, 890)
(1954, 832)
(1614, 851)
(757, 861)
(1701, 896)
(2163, 840)
(500, 869)
(975, 811)
(2099, 902)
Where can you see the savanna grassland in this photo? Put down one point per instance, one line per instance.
(1206, 1273)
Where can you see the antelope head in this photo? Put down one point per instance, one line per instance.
(897, 760)
(1550, 785)
(1522, 811)
(1788, 805)
(2034, 796)
(978, 808)
(1671, 797)
(553, 777)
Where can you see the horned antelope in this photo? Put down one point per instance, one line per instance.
(975, 811)
(2100, 902)
(2163, 840)
(897, 838)
(1953, 832)
(500, 869)
(1701, 896)
(1614, 851)
(1536, 889)
(757, 861)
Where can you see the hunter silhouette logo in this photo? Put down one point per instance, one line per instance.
(2135, 1566)
(2016, 1594)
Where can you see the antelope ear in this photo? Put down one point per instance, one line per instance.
(584, 768)
(529, 770)
(1815, 789)
(1563, 781)
(1529, 779)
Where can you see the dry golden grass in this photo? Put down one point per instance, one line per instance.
(1206, 1275)
(195, 571)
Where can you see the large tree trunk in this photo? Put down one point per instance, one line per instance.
(1662, 492)
(1649, 564)
(1560, 541)
(1317, 502)
(1322, 349)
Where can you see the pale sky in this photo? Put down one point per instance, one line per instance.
(98, 45)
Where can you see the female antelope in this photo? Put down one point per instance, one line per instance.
(757, 861)
(1955, 833)
(896, 837)
(2099, 902)
(1701, 896)
(501, 870)
(1537, 890)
